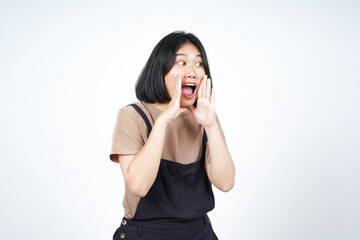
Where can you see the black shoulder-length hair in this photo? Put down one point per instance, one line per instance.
(150, 86)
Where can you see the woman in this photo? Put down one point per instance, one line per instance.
(170, 146)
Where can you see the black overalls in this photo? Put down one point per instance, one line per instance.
(176, 206)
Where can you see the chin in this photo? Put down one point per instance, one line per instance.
(186, 103)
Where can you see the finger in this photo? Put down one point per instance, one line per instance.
(208, 89)
(175, 98)
(178, 84)
(212, 98)
(203, 92)
(200, 89)
(178, 88)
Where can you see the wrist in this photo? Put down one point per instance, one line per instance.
(160, 122)
(211, 128)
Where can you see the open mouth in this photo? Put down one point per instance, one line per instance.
(188, 90)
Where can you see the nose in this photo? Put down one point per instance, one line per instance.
(190, 73)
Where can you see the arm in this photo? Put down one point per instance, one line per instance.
(140, 170)
(219, 165)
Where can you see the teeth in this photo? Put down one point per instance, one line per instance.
(190, 84)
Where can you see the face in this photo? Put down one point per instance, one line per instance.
(189, 67)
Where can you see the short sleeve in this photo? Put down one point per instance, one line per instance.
(127, 137)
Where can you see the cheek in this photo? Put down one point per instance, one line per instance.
(169, 91)
(200, 73)
(169, 86)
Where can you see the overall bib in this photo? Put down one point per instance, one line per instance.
(176, 206)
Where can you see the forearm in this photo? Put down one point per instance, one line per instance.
(220, 168)
(142, 171)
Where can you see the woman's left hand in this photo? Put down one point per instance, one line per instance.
(204, 112)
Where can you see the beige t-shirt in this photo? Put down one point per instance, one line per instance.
(183, 141)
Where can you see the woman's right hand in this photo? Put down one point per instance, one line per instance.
(173, 109)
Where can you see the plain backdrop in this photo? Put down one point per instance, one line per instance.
(286, 75)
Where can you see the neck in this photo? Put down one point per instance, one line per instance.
(161, 106)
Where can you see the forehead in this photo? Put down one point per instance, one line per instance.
(188, 49)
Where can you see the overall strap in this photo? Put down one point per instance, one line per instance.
(143, 115)
(204, 141)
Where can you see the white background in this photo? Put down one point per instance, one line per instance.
(287, 80)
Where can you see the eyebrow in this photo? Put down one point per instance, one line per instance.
(182, 54)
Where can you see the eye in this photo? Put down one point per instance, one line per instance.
(181, 63)
(199, 64)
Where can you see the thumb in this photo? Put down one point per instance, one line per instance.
(192, 109)
(182, 110)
